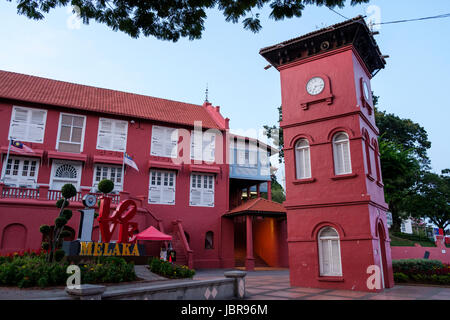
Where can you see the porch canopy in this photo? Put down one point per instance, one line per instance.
(152, 233)
(258, 207)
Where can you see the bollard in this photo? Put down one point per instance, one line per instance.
(239, 283)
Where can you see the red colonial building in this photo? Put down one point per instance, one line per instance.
(190, 183)
(336, 211)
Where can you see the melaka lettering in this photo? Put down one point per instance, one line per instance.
(125, 211)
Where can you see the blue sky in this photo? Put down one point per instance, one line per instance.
(414, 84)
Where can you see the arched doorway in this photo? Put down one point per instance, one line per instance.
(382, 253)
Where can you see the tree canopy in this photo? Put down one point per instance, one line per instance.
(432, 199)
(172, 19)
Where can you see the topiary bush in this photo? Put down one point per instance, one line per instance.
(52, 240)
(105, 186)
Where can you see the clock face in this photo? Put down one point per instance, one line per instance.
(366, 90)
(315, 86)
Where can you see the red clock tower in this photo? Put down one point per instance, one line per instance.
(336, 212)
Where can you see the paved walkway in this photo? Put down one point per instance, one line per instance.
(274, 285)
(260, 285)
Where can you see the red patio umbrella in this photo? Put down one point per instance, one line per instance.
(152, 233)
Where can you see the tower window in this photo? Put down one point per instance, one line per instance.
(341, 151)
(329, 252)
(302, 160)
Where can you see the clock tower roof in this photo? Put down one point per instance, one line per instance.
(353, 32)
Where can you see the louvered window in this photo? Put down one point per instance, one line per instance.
(341, 150)
(27, 124)
(164, 142)
(162, 187)
(302, 159)
(113, 173)
(21, 172)
(329, 252)
(202, 190)
(203, 146)
(112, 135)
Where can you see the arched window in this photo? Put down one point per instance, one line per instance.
(302, 159)
(367, 144)
(329, 252)
(209, 240)
(377, 159)
(66, 171)
(341, 151)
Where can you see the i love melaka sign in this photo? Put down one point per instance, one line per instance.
(126, 245)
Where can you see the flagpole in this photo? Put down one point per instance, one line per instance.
(6, 162)
(123, 170)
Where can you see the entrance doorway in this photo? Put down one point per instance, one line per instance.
(382, 253)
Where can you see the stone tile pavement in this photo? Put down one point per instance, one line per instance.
(274, 285)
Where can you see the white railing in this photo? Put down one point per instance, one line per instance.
(19, 193)
(53, 195)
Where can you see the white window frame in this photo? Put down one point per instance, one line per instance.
(166, 142)
(303, 160)
(28, 124)
(160, 188)
(112, 133)
(210, 186)
(20, 177)
(76, 164)
(117, 187)
(339, 148)
(333, 266)
(59, 130)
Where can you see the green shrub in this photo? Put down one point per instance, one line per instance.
(400, 277)
(415, 265)
(68, 191)
(60, 203)
(67, 214)
(60, 221)
(105, 186)
(45, 229)
(33, 270)
(169, 270)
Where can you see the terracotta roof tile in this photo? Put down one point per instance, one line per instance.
(34, 89)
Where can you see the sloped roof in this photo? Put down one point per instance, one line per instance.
(258, 205)
(16, 86)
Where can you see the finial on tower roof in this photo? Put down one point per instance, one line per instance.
(206, 93)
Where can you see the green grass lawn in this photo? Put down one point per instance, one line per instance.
(402, 242)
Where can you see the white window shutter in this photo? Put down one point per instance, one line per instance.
(196, 145)
(208, 198)
(154, 194)
(104, 139)
(18, 131)
(196, 197)
(307, 163)
(209, 146)
(335, 256)
(171, 143)
(19, 124)
(338, 158)
(346, 157)
(157, 141)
